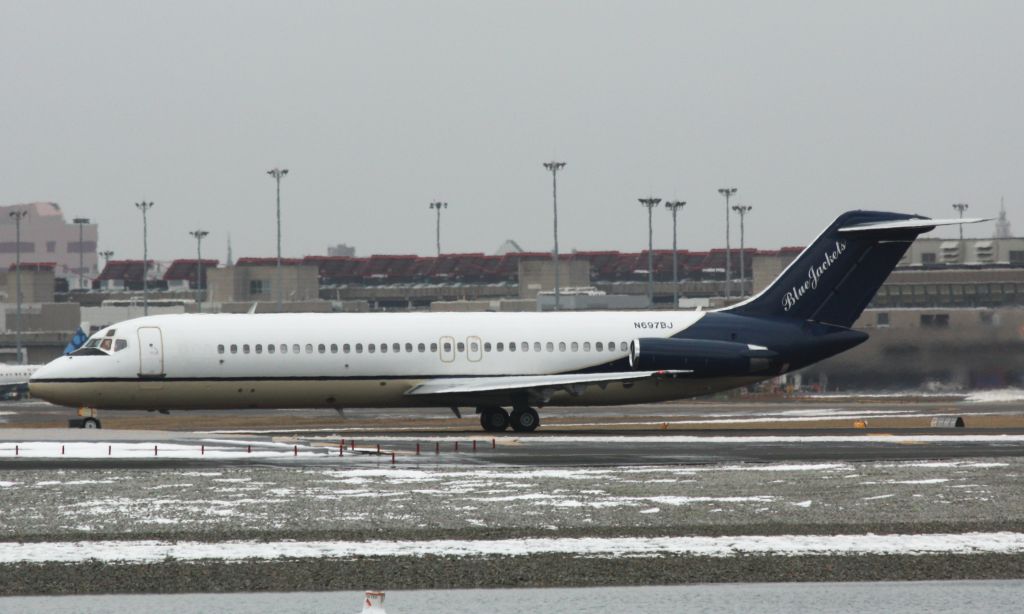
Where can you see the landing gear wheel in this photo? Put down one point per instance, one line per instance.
(525, 420)
(493, 419)
(91, 423)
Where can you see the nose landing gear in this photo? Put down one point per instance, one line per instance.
(88, 419)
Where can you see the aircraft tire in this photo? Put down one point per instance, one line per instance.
(493, 419)
(91, 423)
(525, 420)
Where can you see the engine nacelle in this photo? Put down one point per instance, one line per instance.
(701, 356)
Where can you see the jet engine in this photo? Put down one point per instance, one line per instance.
(701, 356)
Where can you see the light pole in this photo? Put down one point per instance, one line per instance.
(17, 215)
(961, 207)
(81, 221)
(438, 206)
(554, 167)
(106, 255)
(144, 207)
(650, 203)
(727, 192)
(742, 210)
(199, 234)
(674, 206)
(277, 174)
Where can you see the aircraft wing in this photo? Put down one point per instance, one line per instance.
(573, 383)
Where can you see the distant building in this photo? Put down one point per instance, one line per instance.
(341, 250)
(255, 280)
(1002, 224)
(47, 237)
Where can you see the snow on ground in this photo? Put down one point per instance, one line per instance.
(1006, 395)
(151, 551)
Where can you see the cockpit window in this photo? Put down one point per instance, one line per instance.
(88, 351)
(106, 344)
(110, 333)
(92, 343)
(120, 344)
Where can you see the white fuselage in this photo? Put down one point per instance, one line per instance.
(351, 360)
(16, 375)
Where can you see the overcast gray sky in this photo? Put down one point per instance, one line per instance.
(377, 108)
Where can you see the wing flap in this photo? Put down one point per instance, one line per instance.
(510, 383)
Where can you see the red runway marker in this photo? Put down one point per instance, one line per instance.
(392, 458)
(353, 442)
(493, 443)
(202, 450)
(295, 450)
(341, 451)
(474, 445)
(378, 448)
(456, 446)
(248, 449)
(417, 448)
(437, 447)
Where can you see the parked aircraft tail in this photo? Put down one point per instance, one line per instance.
(837, 275)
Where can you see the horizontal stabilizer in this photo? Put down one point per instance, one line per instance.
(511, 383)
(915, 224)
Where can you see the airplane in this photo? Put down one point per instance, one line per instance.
(14, 378)
(491, 361)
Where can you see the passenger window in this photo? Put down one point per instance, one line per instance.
(611, 346)
(371, 348)
(561, 346)
(296, 348)
(309, 348)
(359, 348)
(536, 346)
(121, 344)
(422, 348)
(271, 348)
(623, 346)
(550, 346)
(284, 348)
(461, 346)
(474, 347)
(105, 345)
(259, 348)
(234, 348)
(346, 348)
(599, 346)
(447, 346)
(433, 347)
(220, 349)
(487, 346)
(383, 348)
(512, 346)
(586, 346)
(500, 346)
(334, 348)
(321, 348)
(245, 348)
(408, 347)
(396, 347)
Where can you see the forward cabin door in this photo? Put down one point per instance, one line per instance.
(151, 352)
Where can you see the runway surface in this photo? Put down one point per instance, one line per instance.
(822, 429)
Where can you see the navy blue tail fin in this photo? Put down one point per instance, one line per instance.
(835, 278)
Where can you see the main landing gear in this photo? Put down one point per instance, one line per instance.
(523, 419)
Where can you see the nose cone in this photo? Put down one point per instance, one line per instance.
(50, 382)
